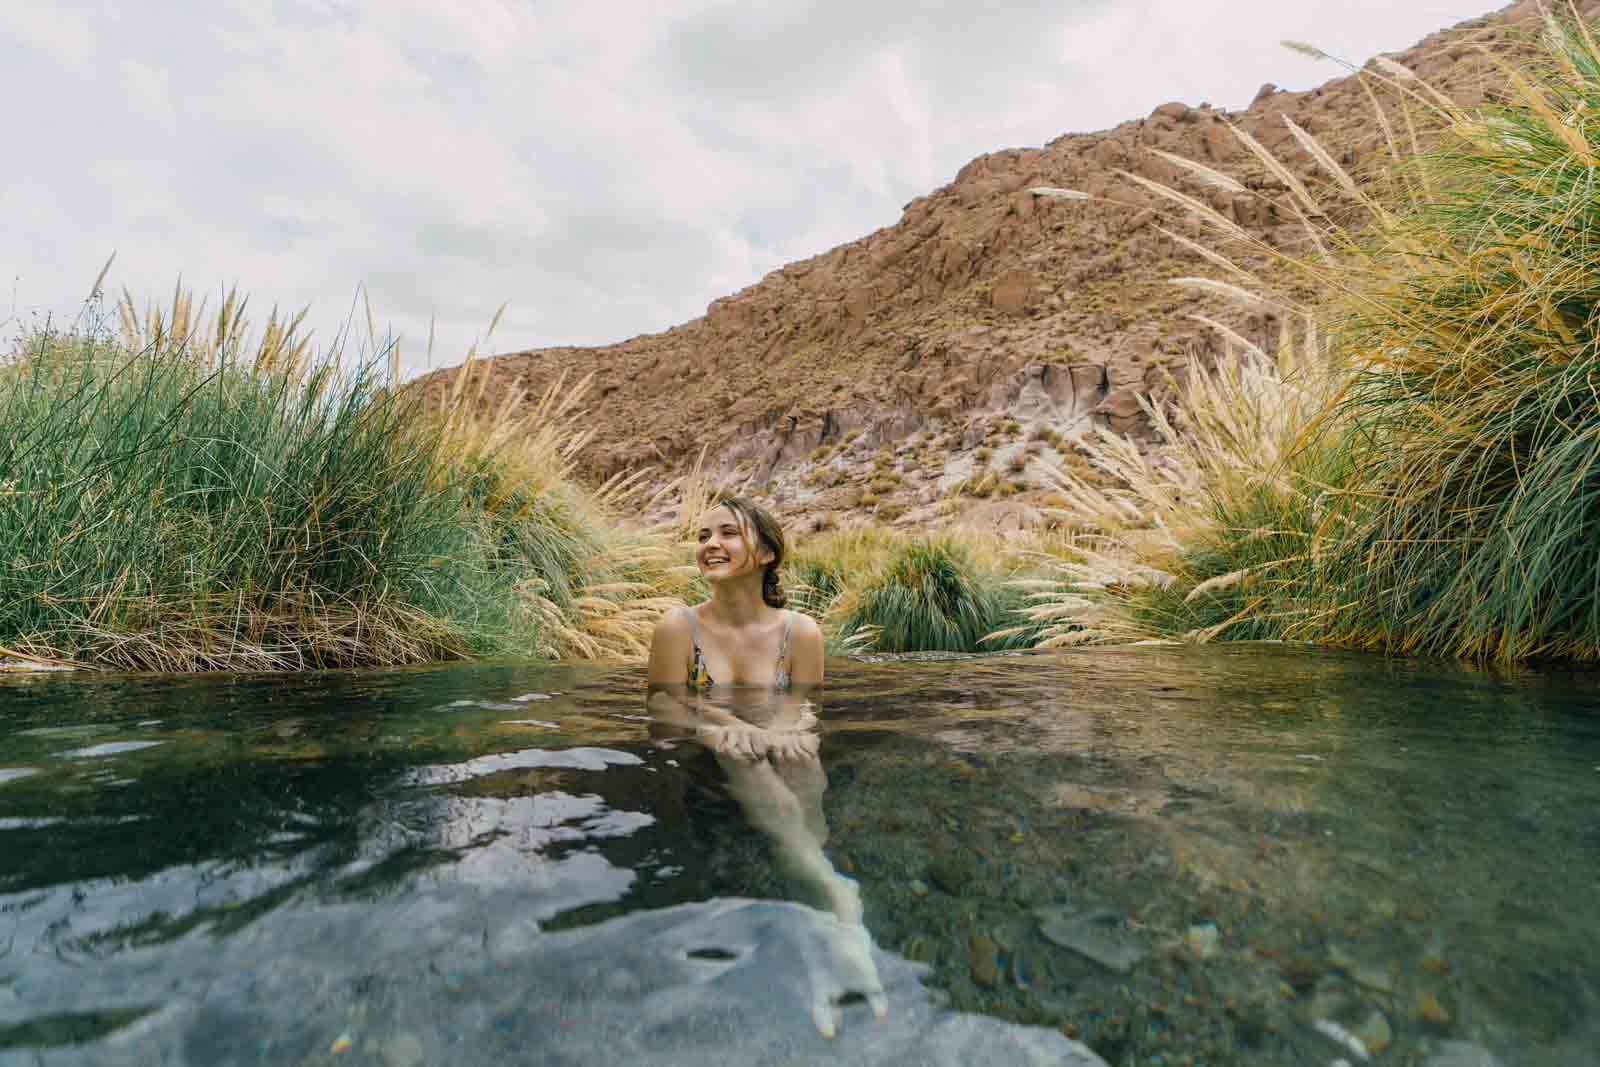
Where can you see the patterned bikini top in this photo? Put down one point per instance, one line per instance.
(700, 678)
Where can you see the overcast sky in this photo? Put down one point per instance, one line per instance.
(605, 169)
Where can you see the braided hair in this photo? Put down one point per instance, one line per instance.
(770, 536)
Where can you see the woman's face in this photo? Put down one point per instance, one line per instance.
(727, 547)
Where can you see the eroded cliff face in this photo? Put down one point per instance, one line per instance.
(984, 305)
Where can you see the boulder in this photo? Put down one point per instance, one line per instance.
(1014, 292)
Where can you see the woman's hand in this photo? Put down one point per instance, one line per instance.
(792, 746)
(805, 719)
(792, 735)
(743, 741)
(735, 740)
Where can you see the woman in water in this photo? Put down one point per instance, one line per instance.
(736, 673)
(742, 650)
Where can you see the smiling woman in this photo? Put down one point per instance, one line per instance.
(745, 634)
(737, 675)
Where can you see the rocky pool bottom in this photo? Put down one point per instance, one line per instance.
(1243, 855)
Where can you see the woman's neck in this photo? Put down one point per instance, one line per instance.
(736, 603)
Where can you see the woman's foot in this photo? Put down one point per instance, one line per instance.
(844, 900)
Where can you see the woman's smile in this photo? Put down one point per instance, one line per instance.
(723, 544)
(713, 557)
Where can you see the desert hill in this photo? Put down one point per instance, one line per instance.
(984, 328)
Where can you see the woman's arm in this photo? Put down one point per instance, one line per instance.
(670, 650)
(805, 652)
(668, 700)
(793, 731)
(669, 661)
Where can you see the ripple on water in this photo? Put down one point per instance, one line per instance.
(583, 758)
(1259, 839)
(107, 748)
(45, 822)
(67, 732)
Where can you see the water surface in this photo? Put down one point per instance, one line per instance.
(1247, 855)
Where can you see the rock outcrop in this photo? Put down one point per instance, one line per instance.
(985, 298)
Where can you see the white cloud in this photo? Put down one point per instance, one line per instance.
(605, 169)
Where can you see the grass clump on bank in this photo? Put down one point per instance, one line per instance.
(175, 501)
(1428, 479)
(1476, 385)
(1218, 532)
(884, 592)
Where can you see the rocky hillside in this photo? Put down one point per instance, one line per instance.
(943, 357)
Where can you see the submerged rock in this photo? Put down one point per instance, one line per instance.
(1429, 1009)
(1461, 1054)
(1373, 976)
(726, 981)
(402, 1050)
(1375, 1032)
(1204, 940)
(1096, 935)
(1379, 977)
(984, 957)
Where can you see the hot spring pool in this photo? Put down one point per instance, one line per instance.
(1242, 855)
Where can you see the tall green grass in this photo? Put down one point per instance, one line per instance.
(1434, 483)
(879, 591)
(1477, 392)
(168, 503)
(156, 514)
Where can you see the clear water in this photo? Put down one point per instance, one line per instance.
(1246, 855)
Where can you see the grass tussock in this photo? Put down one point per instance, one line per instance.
(878, 591)
(1417, 467)
(176, 498)
(1476, 349)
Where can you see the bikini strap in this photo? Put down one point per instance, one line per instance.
(783, 645)
(694, 630)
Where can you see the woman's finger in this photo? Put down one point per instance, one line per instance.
(822, 1010)
(753, 747)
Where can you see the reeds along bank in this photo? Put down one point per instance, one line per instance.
(1417, 467)
(176, 500)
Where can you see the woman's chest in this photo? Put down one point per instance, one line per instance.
(750, 659)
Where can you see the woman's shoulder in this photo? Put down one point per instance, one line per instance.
(674, 622)
(802, 625)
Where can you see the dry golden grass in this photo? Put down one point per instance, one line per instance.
(1420, 480)
(631, 574)
(497, 545)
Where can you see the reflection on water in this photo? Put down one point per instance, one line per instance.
(1239, 856)
(108, 748)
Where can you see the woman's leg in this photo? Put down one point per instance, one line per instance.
(792, 824)
(807, 781)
